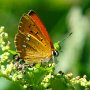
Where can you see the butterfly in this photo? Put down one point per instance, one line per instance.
(32, 40)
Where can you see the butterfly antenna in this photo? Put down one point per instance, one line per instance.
(58, 44)
(66, 37)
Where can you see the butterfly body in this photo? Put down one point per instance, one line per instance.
(32, 40)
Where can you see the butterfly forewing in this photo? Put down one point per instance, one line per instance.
(31, 42)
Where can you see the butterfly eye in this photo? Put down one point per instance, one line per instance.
(55, 53)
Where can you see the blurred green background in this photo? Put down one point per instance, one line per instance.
(60, 17)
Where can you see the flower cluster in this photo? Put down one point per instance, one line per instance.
(4, 46)
(7, 67)
(82, 81)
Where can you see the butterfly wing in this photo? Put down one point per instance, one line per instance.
(32, 40)
(40, 24)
